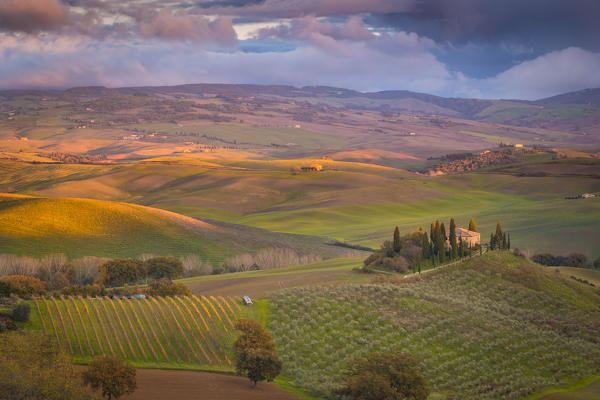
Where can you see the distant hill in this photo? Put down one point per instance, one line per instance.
(585, 96)
(574, 111)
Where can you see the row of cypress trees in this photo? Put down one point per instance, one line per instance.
(437, 250)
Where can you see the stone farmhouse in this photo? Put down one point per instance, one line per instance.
(470, 238)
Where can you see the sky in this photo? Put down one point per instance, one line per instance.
(511, 49)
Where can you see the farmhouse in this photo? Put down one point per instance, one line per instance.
(312, 168)
(470, 238)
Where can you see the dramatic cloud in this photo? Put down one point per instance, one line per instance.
(481, 48)
(461, 21)
(551, 74)
(179, 26)
(32, 15)
(320, 8)
(310, 28)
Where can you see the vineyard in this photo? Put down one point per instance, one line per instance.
(186, 331)
(497, 327)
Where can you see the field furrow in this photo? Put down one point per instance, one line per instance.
(172, 332)
(92, 325)
(85, 331)
(123, 330)
(62, 324)
(144, 320)
(73, 326)
(134, 330)
(160, 313)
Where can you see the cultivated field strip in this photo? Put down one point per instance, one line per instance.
(190, 330)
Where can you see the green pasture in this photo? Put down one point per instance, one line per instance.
(241, 134)
(590, 275)
(533, 210)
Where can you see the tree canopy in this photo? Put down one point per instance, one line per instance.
(121, 271)
(29, 366)
(255, 355)
(112, 376)
(384, 376)
(164, 267)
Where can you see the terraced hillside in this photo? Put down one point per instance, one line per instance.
(79, 227)
(496, 327)
(167, 332)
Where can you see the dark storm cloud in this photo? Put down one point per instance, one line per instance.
(563, 23)
(319, 8)
(32, 15)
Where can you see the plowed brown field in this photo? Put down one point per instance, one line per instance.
(155, 384)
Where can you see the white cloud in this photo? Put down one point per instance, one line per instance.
(553, 73)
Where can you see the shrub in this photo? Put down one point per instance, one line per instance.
(164, 287)
(164, 267)
(6, 288)
(24, 286)
(597, 263)
(121, 271)
(85, 291)
(113, 376)
(548, 259)
(518, 253)
(577, 260)
(382, 376)
(2, 326)
(21, 312)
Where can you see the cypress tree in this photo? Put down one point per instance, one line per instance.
(498, 230)
(442, 242)
(472, 226)
(432, 233)
(424, 245)
(460, 248)
(453, 247)
(397, 246)
(508, 244)
(492, 241)
(504, 241)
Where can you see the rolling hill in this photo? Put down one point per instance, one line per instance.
(78, 227)
(495, 327)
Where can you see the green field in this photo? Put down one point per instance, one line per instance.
(494, 327)
(263, 283)
(157, 332)
(353, 202)
(590, 275)
(78, 227)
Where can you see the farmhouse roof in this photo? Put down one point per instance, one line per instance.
(466, 233)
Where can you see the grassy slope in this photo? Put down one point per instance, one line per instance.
(354, 202)
(495, 327)
(590, 275)
(78, 227)
(264, 282)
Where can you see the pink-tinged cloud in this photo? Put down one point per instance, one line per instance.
(320, 8)
(196, 28)
(32, 15)
(318, 32)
